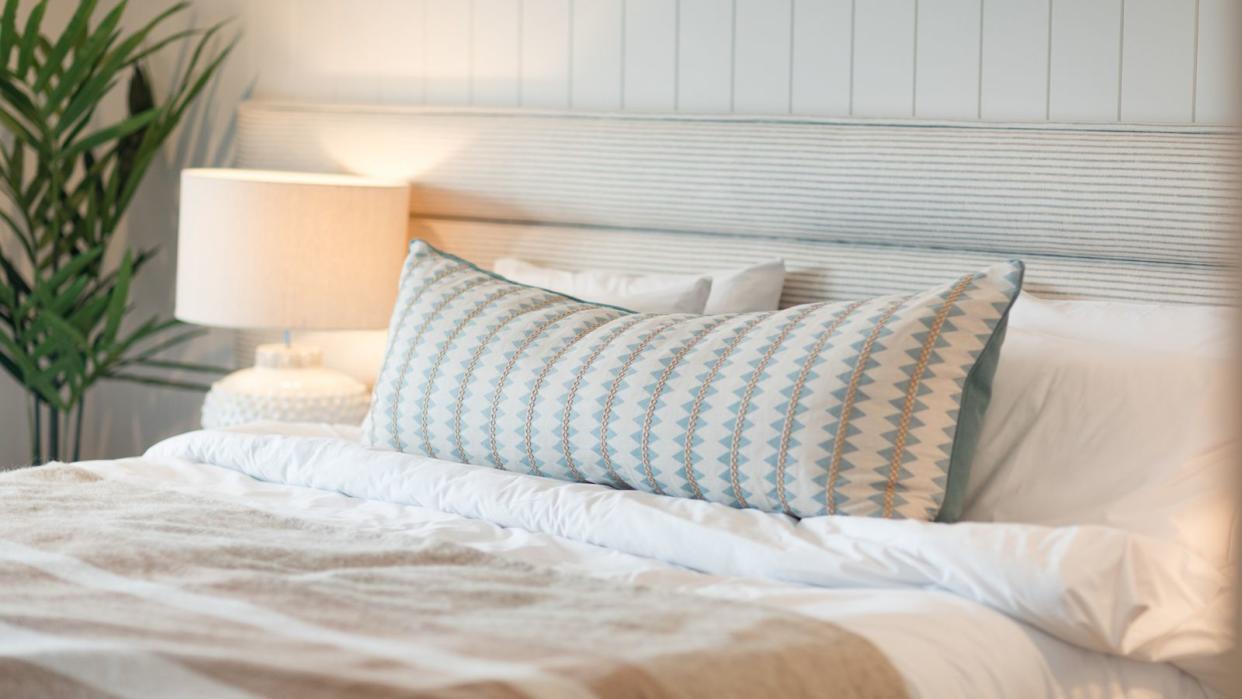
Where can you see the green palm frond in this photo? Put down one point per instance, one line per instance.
(66, 179)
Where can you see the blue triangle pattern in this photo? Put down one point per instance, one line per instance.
(785, 436)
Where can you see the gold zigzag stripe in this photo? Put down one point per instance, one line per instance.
(692, 421)
(744, 405)
(907, 408)
(543, 375)
(567, 414)
(616, 386)
(504, 374)
(392, 343)
(428, 387)
(782, 454)
(403, 372)
(473, 364)
(847, 407)
(649, 418)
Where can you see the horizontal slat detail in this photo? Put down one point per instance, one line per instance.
(816, 271)
(1110, 211)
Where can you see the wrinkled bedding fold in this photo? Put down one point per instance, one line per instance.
(111, 588)
(1099, 588)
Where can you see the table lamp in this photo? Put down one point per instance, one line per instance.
(288, 251)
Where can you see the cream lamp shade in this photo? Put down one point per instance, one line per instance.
(288, 250)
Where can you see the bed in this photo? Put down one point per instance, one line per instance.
(280, 559)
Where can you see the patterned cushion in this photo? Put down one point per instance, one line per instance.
(862, 408)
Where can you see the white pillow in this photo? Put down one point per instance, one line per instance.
(1115, 414)
(746, 289)
(650, 293)
(753, 288)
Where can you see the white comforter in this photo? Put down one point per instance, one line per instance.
(961, 610)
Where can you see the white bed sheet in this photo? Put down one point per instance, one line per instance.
(944, 645)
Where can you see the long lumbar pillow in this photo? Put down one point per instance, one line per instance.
(861, 408)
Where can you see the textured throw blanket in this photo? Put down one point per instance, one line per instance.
(111, 589)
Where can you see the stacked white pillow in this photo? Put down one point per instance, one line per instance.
(753, 288)
(1115, 414)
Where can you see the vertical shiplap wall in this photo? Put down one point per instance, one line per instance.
(1061, 60)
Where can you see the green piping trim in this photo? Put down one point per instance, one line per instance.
(976, 394)
(468, 263)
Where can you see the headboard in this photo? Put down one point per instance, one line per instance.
(855, 207)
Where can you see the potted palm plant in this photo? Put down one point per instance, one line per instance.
(66, 178)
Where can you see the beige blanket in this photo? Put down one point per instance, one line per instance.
(112, 589)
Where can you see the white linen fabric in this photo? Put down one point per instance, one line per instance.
(1098, 588)
(746, 289)
(755, 287)
(1119, 415)
(1113, 414)
(645, 293)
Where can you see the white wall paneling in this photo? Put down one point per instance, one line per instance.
(1216, 64)
(763, 38)
(336, 67)
(705, 56)
(1064, 60)
(446, 40)
(1085, 65)
(495, 46)
(884, 49)
(273, 57)
(1014, 60)
(544, 64)
(598, 30)
(396, 33)
(1158, 60)
(947, 62)
(822, 56)
(650, 51)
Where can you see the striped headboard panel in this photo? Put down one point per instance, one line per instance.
(855, 207)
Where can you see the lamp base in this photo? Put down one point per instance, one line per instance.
(288, 383)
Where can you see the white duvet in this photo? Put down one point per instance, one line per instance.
(961, 610)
